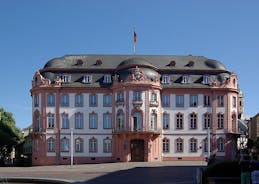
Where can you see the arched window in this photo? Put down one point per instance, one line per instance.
(79, 145)
(193, 121)
(51, 144)
(179, 121)
(193, 145)
(166, 143)
(220, 120)
(93, 145)
(221, 144)
(65, 144)
(51, 120)
(64, 121)
(179, 145)
(137, 121)
(153, 123)
(207, 121)
(107, 145)
(120, 120)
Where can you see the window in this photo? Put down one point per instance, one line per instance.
(193, 100)
(220, 101)
(205, 143)
(66, 78)
(51, 100)
(36, 100)
(206, 101)
(193, 145)
(65, 145)
(206, 79)
(179, 145)
(107, 100)
(79, 145)
(165, 121)
(51, 120)
(93, 145)
(137, 121)
(107, 78)
(165, 101)
(120, 97)
(93, 121)
(65, 121)
(193, 121)
(107, 119)
(79, 100)
(220, 121)
(185, 79)
(207, 120)
(165, 79)
(87, 79)
(92, 100)
(179, 121)
(37, 127)
(64, 100)
(165, 145)
(78, 120)
(153, 123)
(153, 97)
(120, 121)
(107, 145)
(51, 145)
(234, 103)
(137, 96)
(179, 100)
(220, 144)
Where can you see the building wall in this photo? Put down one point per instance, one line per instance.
(122, 140)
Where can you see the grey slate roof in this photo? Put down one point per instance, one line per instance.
(152, 65)
(113, 61)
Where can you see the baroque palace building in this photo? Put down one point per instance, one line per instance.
(120, 108)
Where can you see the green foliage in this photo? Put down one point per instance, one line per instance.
(10, 135)
(227, 168)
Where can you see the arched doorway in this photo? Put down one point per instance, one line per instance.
(137, 150)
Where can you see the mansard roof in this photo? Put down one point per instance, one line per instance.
(159, 62)
(154, 66)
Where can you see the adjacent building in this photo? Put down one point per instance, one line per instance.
(253, 127)
(120, 108)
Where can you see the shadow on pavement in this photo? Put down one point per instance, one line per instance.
(161, 175)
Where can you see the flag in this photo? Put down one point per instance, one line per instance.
(135, 37)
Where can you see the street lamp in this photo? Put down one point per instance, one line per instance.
(242, 142)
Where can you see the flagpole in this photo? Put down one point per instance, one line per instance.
(134, 41)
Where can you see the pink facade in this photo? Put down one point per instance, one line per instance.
(133, 108)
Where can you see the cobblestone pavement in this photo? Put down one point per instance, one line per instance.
(129, 172)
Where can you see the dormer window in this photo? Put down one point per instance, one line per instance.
(98, 62)
(165, 79)
(87, 79)
(107, 78)
(66, 78)
(171, 64)
(206, 79)
(185, 79)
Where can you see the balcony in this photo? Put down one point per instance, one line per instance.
(120, 102)
(140, 130)
(153, 103)
(137, 103)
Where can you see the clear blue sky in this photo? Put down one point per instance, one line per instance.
(35, 31)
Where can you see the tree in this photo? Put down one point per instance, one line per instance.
(10, 135)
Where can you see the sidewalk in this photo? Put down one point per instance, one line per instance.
(85, 172)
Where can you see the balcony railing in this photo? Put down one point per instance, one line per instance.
(153, 103)
(140, 130)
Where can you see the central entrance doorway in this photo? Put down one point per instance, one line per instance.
(137, 150)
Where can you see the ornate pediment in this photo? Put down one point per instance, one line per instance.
(137, 75)
(39, 80)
